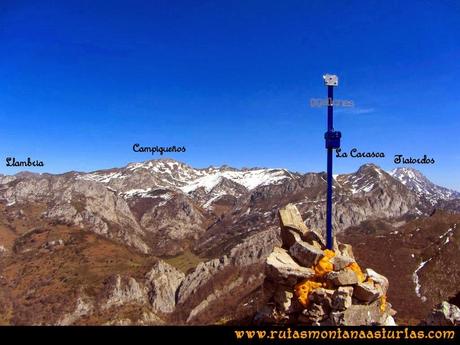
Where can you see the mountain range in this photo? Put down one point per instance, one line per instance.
(161, 242)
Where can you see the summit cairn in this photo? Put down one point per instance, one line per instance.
(307, 284)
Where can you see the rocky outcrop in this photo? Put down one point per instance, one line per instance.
(83, 307)
(123, 291)
(163, 280)
(308, 284)
(369, 193)
(229, 278)
(444, 314)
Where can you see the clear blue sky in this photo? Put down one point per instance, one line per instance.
(82, 81)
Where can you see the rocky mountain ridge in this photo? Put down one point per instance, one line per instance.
(422, 186)
(99, 237)
(166, 206)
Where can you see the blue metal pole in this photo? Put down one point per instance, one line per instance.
(330, 128)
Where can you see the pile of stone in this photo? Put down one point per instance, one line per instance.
(310, 285)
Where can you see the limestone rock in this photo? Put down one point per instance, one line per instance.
(199, 277)
(444, 314)
(289, 237)
(290, 219)
(314, 236)
(345, 301)
(367, 292)
(281, 267)
(316, 244)
(361, 315)
(322, 296)
(305, 254)
(84, 307)
(269, 315)
(340, 262)
(125, 291)
(163, 281)
(314, 315)
(341, 299)
(381, 280)
(346, 250)
(283, 299)
(341, 278)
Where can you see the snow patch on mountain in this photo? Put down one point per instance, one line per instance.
(447, 235)
(176, 175)
(146, 193)
(104, 177)
(418, 183)
(416, 279)
(250, 179)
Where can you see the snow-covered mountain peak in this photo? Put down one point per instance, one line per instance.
(250, 179)
(365, 179)
(168, 173)
(417, 182)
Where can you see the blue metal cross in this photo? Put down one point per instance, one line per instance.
(332, 139)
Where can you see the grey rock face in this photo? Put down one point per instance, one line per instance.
(367, 292)
(314, 315)
(361, 315)
(84, 307)
(322, 297)
(253, 251)
(379, 279)
(125, 291)
(163, 281)
(342, 298)
(281, 266)
(342, 278)
(283, 299)
(201, 275)
(86, 204)
(291, 224)
(340, 262)
(305, 254)
(370, 192)
(346, 250)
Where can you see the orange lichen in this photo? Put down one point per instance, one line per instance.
(383, 303)
(303, 289)
(324, 265)
(355, 268)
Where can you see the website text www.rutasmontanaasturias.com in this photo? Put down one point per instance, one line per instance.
(383, 333)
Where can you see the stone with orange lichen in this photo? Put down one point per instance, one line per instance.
(359, 273)
(383, 303)
(341, 261)
(306, 254)
(367, 292)
(303, 289)
(324, 265)
(377, 278)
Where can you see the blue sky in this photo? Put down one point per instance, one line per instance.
(82, 81)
